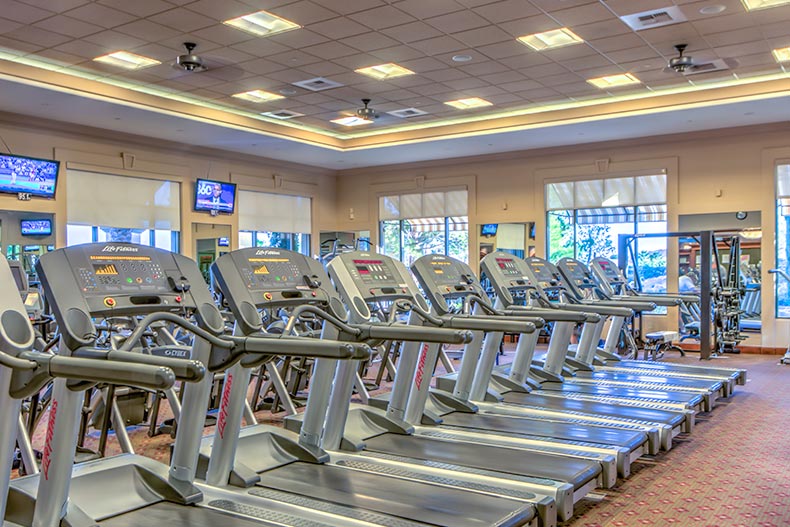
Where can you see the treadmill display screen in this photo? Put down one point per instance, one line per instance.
(608, 269)
(508, 267)
(447, 273)
(374, 272)
(272, 273)
(542, 273)
(119, 273)
(575, 271)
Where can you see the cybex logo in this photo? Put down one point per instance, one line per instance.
(261, 252)
(119, 249)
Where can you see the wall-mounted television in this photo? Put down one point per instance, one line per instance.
(488, 229)
(35, 227)
(215, 196)
(223, 242)
(37, 177)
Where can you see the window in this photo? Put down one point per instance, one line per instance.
(148, 214)
(413, 225)
(782, 292)
(585, 218)
(274, 220)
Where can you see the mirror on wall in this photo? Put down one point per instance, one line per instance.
(209, 241)
(739, 246)
(515, 238)
(25, 236)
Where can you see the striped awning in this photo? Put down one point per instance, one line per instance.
(784, 206)
(454, 223)
(605, 215)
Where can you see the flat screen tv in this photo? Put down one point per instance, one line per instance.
(27, 174)
(36, 227)
(215, 196)
(223, 242)
(488, 229)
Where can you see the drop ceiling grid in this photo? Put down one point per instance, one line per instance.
(339, 36)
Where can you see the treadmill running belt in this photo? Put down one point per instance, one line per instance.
(618, 391)
(515, 425)
(173, 515)
(577, 472)
(408, 499)
(594, 407)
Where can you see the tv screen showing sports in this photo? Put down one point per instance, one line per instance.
(26, 174)
(489, 229)
(36, 227)
(215, 195)
(223, 242)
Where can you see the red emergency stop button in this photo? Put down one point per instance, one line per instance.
(178, 299)
(267, 296)
(109, 302)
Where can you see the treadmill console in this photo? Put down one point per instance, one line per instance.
(363, 277)
(608, 274)
(577, 276)
(255, 278)
(545, 276)
(99, 280)
(443, 278)
(507, 274)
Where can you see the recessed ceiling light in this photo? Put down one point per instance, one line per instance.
(125, 59)
(385, 71)
(556, 38)
(471, 102)
(462, 58)
(752, 5)
(712, 9)
(781, 54)
(262, 24)
(613, 81)
(351, 121)
(258, 96)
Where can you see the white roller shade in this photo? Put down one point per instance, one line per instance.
(425, 205)
(651, 189)
(588, 194)
(123, 202)
(783, 181)
(559, 196)
(618, 192)
(261, 211)
(610, 192)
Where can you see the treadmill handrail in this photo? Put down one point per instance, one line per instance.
(486, 323)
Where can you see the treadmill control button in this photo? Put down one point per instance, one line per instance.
(109, 302)
(267, 296)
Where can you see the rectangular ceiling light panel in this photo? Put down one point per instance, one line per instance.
(385, 71)
(613, 81)
(556, 38)
(262, 24)
(471, 102)
(258, 96)
(351, 121)
(127, 60)
(782, 54)
(753, 5)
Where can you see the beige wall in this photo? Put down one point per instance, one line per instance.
(91, 150)
(716, 171)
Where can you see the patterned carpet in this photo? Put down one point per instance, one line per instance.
(734, 470)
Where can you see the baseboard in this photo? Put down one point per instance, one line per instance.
(757, 350)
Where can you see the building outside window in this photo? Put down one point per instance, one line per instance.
(782, 292)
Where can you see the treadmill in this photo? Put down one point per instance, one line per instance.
(260, 460)
(102, 280)
(512, 277)
(610, 281)
(440, 288)
(364, 281)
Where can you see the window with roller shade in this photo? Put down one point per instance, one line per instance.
(274, 220)
(137, 210)
(412, 225)
(782, 291)
(584, 219)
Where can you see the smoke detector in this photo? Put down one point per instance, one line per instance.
(682, 62)
(189, 61)
(366, 112)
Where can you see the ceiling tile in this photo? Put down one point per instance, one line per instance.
(183, 20)
(484, 68)
(81, 48)
(219, 11)
(397, 53)
(529, 25)
(483, 36)
(506, 76)
(435, 46)
(448, 74)
(382, 17)
(631, 54)
(221, 34)
(147, 30)
(260, 47)
(298, 39)
(369, 41)
(505, 10)
(423, 64)
(465, 84)
(8, 25)
(583, 14)
(112, 40)
(727, 38)
(510, 48)
(101, 15)
(57, 6)
(617, 42)
(158, 52)
(68, 26)
(324, 68)
(60, 57)
(293, 58)
(603, 29)
(337, 28)
(422, 9)
(226, 73)
(345, 8)
(331, 50)
(524, 61)
(356, 61)
(519, 86)
(584, 63)
(627, 7)
(544, 70)
(23, 13)
(36, 36)
(19, 45)
(458, 21)
(474, 3)
(138, 7)
(560, 79)
(261, 66)
(304, 12)
(743, 49)
(412, 32)
(429, 89)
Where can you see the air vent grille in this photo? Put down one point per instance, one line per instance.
(317, 84)
(655, 18)
(707, 67)
(282, 114)
(405, 113)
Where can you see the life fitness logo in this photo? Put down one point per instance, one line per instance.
(267, 252)
(119, 249)
(421, 366)
(438, 257)
(46, 458)
(223, 407)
